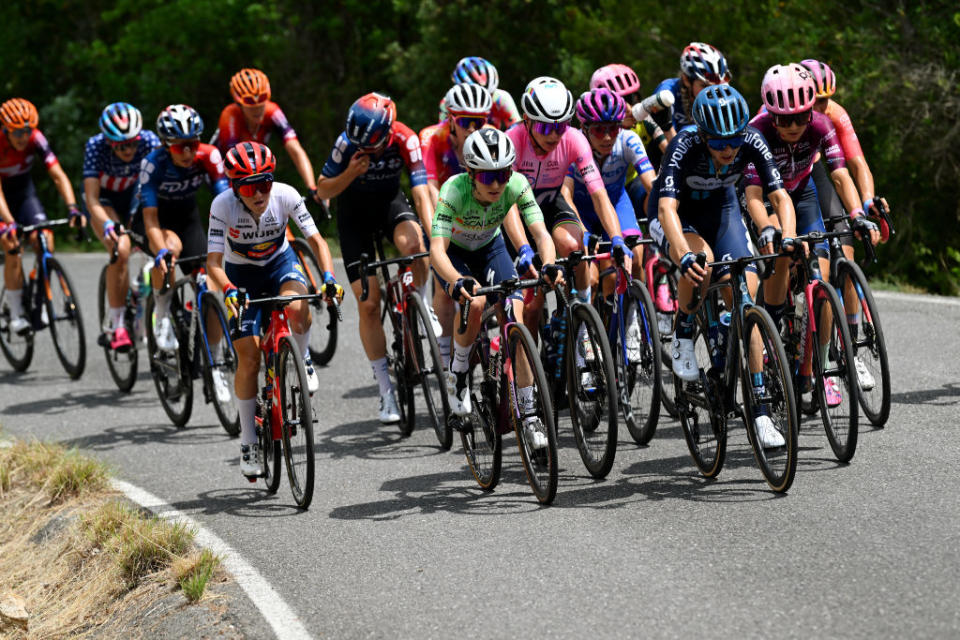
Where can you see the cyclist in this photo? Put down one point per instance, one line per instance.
(546, 146)
(796, 133)
(111, 166)
(363, 172)
(467, 248)
(253, 116)
(826, 85)
(474, 70)
(247, 247)
(468, 108)
(694, 207)
(168, 217)
(701, 65)
(601, 113)
(19, 205)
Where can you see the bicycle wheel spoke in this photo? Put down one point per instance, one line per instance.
(297, 428)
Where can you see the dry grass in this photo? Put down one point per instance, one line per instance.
(54, 470)
(194, 571)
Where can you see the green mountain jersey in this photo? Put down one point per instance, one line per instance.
(471, 225)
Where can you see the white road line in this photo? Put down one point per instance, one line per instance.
(278, 614)
(910, 297)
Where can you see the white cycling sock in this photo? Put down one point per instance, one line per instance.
(461, 358)
(585, 293)
(303, 342)
(116, 317)
(14, 298)
(248, 423)
(579, 351)
(422, 290)
(526, 400)
(444, 342)
(162, 307)
(382, 373)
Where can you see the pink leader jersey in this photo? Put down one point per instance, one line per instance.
(546, 173)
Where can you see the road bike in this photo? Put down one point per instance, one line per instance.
(48, 300)
(323, 330)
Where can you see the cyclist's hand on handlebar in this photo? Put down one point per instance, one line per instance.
(331, 290)
(159, 262)
(230, 300)
(553, 275)
(794, 247)
(110, 231)
(863, 225)
(768, 239)
(463, 290)
(525, 257)
(77, 219)
(690, 270)
(621, 253)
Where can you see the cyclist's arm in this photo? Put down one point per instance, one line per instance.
(151, 226)
(434, 192)
(567, 191)
(862, 176)
(783, 207)
(513, 228)
(544, 242)
(301, 161)
(606, 213)
(332, 186)
(846, 189)
(424, 205)
(5, 214)
(667, 212)
(216, 275)
(322, 251)
(440, 261)
(91, 194)
(62, 183)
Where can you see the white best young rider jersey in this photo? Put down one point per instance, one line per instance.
(242, 239)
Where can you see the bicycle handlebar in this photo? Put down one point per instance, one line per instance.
(505, 288)
(366, 266)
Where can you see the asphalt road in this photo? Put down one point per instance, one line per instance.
(399, 541)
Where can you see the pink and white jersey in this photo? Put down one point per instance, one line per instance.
(546, 173)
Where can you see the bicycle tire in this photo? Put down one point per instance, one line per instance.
(841, 420)
(667, 399)
(779, 465)
(270, 449)
(593, 412)
(869, 345)
(297, 414)
(169, 371)
(122, 365)
(64, 315)
(429, 373)
(541, 468)
(323, 337)
(698, 405)
(484, 454)
(644, 407)
(224, 359)
(17, 349)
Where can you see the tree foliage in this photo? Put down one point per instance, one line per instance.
(898, 66)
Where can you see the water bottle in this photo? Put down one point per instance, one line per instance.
(722, 334)
(143, 290)
(661, 100)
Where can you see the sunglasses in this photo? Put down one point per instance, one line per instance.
(785, 120)
(181, 147)
(548, 128)
(254, 102)
(603, 130)
(466, 122)
(20, 133)
(719, 144)
(250, 189)
(487, 178)
(125, 145)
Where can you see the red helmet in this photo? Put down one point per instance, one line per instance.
(250, 87)
(247, 159)
(18, 113)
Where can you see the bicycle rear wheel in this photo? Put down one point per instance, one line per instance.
(592, 390)
(122, 365)
(840, 417)
(775, 396)
(170, 370)
(428, 370)
(297, 425)
(66, 321)
(700, 411)
(323, 330)
(479, 431)
(17, 349)
(536, 432)
(270, 449)
(869, 346)
(221, 358)
(643, 364)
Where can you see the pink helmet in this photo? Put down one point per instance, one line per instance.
(601, 105)
(618, 78)
(788, 89)
(822, 76)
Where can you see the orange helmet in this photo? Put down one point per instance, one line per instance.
(250, 87)
(248, 159)
(18, 113)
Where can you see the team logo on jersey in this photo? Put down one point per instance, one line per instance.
(234, 233)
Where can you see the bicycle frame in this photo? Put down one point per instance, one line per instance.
(41, 257)
(269, 346)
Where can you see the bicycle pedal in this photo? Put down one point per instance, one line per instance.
(252, 479)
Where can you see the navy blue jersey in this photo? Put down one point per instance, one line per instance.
(383, 175)
(161, 179)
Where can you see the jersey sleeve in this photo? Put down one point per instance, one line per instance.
(447, 206)
(228, 133)
(217, 225)
(634, 152)
(92, 160)
(504, 108)
(279, 121)
(427, 148)
(526, 202)
(296, 206)
(213, 165)
(42, 148)
(149, 179)
(750, 176)
(412, 155)
(760, 155)
(581, 155)
(339, 157)
(848, 137)
(830, 145)
(671, 169)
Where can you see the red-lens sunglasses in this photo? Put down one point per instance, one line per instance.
(181, 147)
(251, 189)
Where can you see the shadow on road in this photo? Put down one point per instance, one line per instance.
(948, 394)
(372, 440)
(246, 502)
(72, 400)
(371, 391)
(136, 435)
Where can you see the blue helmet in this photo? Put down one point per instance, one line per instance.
(474, 70)
(370, 119)
(720, 111)
(121, 121)
(179, 121)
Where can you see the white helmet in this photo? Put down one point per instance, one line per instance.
(468, 99)
(546, 100)
(488, 149)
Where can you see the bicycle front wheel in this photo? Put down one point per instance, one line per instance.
(479, 431)
(531, 409)
(642, 364)
(122, 365)
(220, 361)
(17, 348)
(323, 330)
(869, 347)
(773, 398)
(297, 425)
(699, 408)
(427, 368)
(66, 321)
(592, 390)
(834, 379)
(170, 370)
